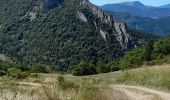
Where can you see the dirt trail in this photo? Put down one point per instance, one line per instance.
(140, 93)
(30, 84)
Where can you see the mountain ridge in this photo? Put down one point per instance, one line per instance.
(137, 9)
(165, 6)
(136, 4)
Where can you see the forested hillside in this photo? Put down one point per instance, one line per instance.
(63, 33)
(155, 52)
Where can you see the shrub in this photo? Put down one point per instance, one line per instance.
(133, 59)
(17, 73)
(35, 75)
(83, 68)
(66, 85)
(39, 68)
(2, 73)
(161, 48)
(102, 68)
(91, 92)
(115, 68)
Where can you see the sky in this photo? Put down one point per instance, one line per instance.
(146, 2)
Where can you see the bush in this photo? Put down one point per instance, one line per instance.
(115, 68)
(35, 75)
(83, 68)
(109, 67)
(66, 85)
(2, 73)
(17, 73)
(161, 48)
(91, 92)
(133, 59)
(102, 68)
(40, 68)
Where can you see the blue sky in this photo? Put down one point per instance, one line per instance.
(146, 2)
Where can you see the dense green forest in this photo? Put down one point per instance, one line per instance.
(155, 52)
(57, 40)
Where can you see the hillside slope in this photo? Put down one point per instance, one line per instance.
(62, 33)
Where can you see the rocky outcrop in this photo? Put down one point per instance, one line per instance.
(109, 19)
(33, 14)
(122, 36)
(104, 34)
(118, 28)
(42, 5)
(82, 16)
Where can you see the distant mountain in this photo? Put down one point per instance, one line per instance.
(137, 9)
(136, 4)
(158, 26)
(165, 6)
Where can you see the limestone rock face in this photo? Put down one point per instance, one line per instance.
(82, 16)
(119, 29)
(104, 34)
(122, 36)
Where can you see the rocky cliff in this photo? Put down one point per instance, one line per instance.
(119, 29)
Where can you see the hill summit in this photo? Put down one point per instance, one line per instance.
(136, 4)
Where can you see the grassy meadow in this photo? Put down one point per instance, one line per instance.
(93, 87)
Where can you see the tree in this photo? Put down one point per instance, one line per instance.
(83, 68)
(133, 59)
(161, 48)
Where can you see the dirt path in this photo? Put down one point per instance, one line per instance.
(30, 84)
(139, 93)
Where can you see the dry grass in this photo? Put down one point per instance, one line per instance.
(154, 77)
(93, 87)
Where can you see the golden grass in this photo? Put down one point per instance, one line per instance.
(93, 87)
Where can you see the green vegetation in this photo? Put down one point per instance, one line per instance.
(84, 69)
(56, 89)
(52, 41)
(154, 53)
(133, 59)
(17, 73)
(20, 71)
(48, 44)
(62, 44)
(85, 90)
(94, 87)
(155, 78)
